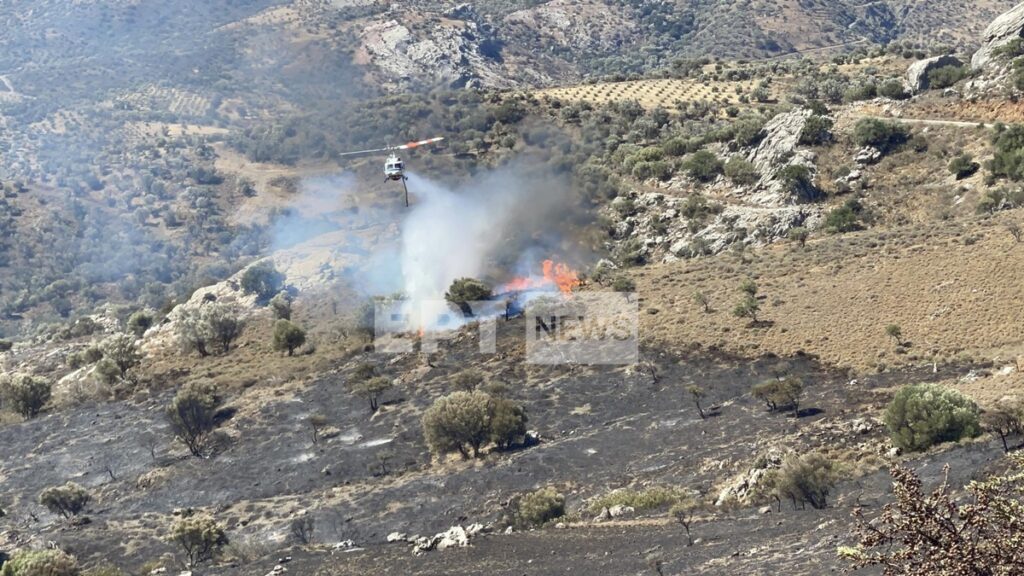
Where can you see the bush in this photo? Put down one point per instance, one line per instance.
(799, 234)
(963, 166)
(658, 170)
(1008, 158)
(467, 380)
(703, 166)
(741, 172)
(288, 336)
(780, 394)
(122, 350)
(508, 423)
(6, 345)
(192, 415)
(466, 290)
(817, 130)
(282, 306)
(263, 280)
(458, 422)
(372, 389)
(539, 507)
(26, 394)
(797, 180)
(922, 415)
(640, 500)
(846, 218)
(223, 323)
(67, 500)
(946, 76)
(49, 562)
(139, 322)
(806, 479)
(200, 537)
(748, 307)
(623, 283)
(893, 89)
(882, 135)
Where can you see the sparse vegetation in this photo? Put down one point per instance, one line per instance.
(922, 415)
(371, 389)
(963, 166)
(1005, 419)
(651, 498)
(698, 394)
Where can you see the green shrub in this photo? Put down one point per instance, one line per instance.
(846, 218)
(281, 304)
(779, 394)
(623, 283)
(538, 508)
(1008, 158)
(465, 421)
(288, 336)
(263, 280)
(946, 76)
(806, 479)
(508, 423)
(893, 89)
(200, 537)
(882, 135)
(372, 389)
(463, 291)
(963, 166)
(26, 394)
(740, 171)
(658, 170)
(458, 422)
(859, 92)
(922, 415)
(139, 322)
(192, 415)
(467, 380)
(646, 499)
(67, 500)
(123, 351)
(817, 130)
(703, 166)
(797, 180)
(49, 562)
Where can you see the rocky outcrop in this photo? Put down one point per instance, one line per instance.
(777, 150)
(917, 73)
(1000, 32)
(742, 488)
(454, 537)
(449, 52)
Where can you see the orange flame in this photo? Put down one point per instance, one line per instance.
(556, 275)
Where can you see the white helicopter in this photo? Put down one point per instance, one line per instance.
(394, 168)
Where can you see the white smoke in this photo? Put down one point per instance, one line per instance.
(455, 233)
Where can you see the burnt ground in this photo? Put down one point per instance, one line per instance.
(602, 428)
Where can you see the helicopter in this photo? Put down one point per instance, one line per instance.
(394, 167)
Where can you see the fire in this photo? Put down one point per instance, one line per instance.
(556, 275)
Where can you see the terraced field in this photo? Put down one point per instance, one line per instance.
(655, 93)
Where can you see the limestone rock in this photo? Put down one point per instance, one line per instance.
(868, 155)
(397, 537)
(621, 511)
(917, 73)
(1000, 32)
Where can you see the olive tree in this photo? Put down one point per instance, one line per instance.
(458, 422)
(123, 351)
(288, 336)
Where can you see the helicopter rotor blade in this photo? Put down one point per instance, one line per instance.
(361, 152)
(412, 145)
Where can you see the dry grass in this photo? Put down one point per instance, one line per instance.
(953, 290)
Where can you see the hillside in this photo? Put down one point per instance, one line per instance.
(227, 348)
